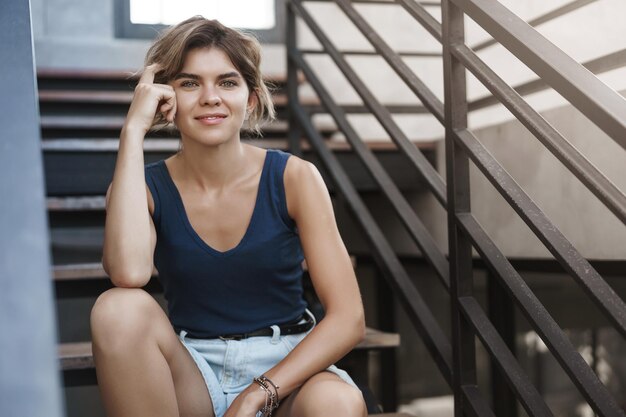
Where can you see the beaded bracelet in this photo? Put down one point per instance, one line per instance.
(271, 398)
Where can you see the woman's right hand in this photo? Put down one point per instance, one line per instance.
(148, 99)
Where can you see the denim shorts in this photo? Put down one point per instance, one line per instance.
(228, 366)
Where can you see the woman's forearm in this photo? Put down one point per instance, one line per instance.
(127, 253)
(336, 335)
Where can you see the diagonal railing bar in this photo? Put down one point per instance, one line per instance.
(540, 319)
(477, 405)
(411, 221)
(603, 106)
(544, 18)
(597, 66)
(428, 98)
(427, 171)
(584, 170)
(574, 263)
(420, 14)
(384, 2)
(523, 388)
(367, 53)
(420, 315)
(359, 109)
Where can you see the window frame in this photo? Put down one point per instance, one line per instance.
(125, 29)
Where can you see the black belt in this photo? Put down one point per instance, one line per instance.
(285, 329)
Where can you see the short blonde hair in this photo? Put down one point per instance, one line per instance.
(171, 47)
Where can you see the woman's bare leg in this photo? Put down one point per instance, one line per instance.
(143, 369)
(324, 394)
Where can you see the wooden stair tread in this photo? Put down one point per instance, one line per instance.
(125, 97)
(75, 356)
(117, 122)
(85, 96)
(88, 271)
(171, 144)
(126, 75)
(106, 97)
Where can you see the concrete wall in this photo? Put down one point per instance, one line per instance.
(574, 210)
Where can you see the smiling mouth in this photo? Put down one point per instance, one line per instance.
(211, 117)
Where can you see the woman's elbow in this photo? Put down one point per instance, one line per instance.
(358, 324)
(127, 279)
(360, 328)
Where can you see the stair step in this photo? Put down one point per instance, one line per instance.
(84, 167)
(91, 271)
(117, 122)
(171, 145)
(103, 97)
(78, 356)
(126, 97)
(97, 76)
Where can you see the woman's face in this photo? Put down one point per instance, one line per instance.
(211, 97)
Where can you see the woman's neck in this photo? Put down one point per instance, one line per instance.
(211, 168)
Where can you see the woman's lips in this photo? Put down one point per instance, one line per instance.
(211, 120)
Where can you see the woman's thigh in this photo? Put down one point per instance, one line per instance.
(133, 315)
(324, 394)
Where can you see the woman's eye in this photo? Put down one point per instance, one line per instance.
(229, 83)
(188, 84)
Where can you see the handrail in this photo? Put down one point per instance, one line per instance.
(552, 335)
(414, 225)
(580, 166)
(524, 389)
(428, 98)
(375, 53)
(597, 66)
(602, 105)
(600, 292)
(539, 20)
(432, 177)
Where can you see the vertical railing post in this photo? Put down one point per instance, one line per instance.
(387, 323)
(502, 315)
(458, 193)
(294, 134)
(30, 382)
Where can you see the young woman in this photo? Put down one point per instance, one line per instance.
(227, 226)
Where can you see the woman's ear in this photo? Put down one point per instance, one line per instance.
(253, 100)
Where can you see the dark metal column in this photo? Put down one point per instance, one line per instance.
(295, 133)
(502, 315)
(29, 377)
(458, 193)
(387, 323)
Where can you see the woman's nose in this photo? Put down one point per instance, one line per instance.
(210, 97)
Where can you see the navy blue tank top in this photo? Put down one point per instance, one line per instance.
(256, 284)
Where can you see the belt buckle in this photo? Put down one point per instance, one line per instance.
(233, 337)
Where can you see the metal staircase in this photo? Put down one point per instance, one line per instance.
(454, 354)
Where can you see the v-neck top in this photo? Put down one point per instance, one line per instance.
(256, 284)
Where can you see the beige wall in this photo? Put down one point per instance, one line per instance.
(591, 228)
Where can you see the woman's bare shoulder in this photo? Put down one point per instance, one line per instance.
(302, 180)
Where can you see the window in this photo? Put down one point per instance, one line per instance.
(144, 18)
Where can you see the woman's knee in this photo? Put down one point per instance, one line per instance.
(332, 397)
(119, 313)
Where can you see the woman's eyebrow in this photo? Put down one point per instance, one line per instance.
(232, 74)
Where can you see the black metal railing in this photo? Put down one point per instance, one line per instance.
(456, 358)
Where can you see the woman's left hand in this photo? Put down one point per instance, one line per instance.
(247, 403)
